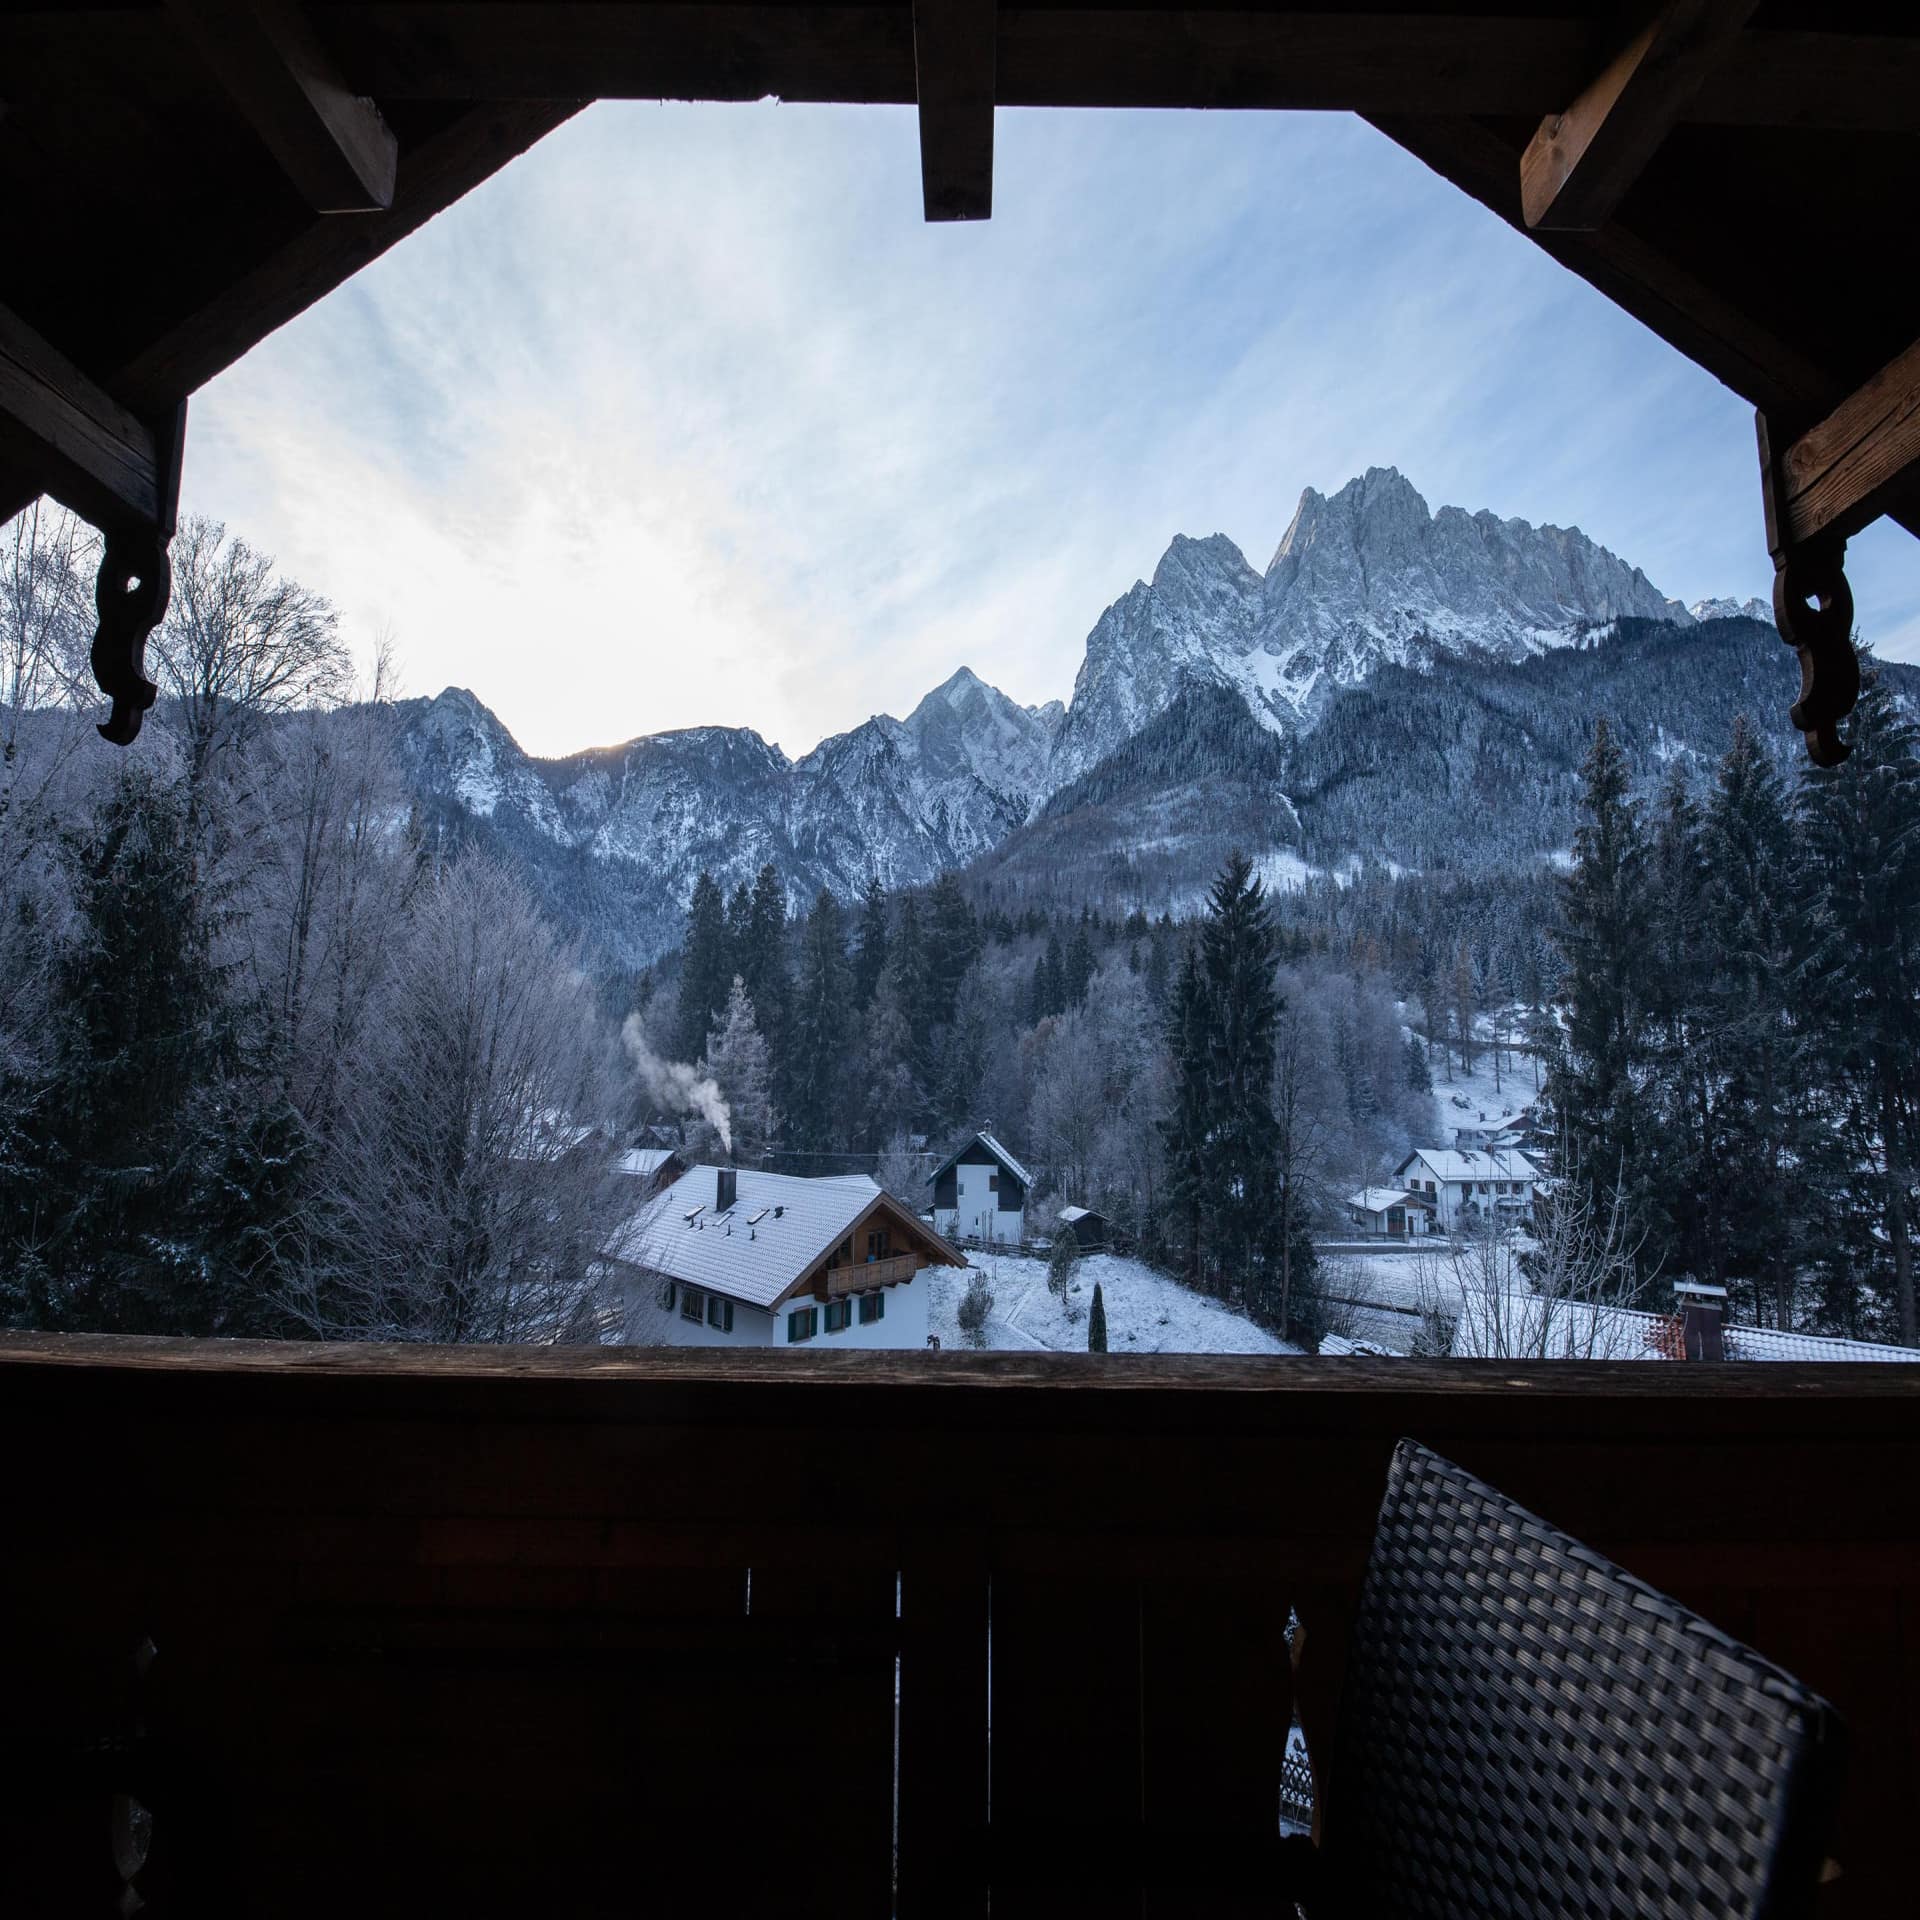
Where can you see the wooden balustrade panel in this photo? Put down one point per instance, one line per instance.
(608, 1633)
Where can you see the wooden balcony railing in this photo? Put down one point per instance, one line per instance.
(863, 1275)
(492, 1630)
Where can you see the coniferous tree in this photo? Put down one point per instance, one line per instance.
(1688, 1203)
(704, 973)
(739, 919)
(1097, 1322)
(1054, 961)
(1861, 826)
(1079, 967)
(1237, 957)
(1593, 1096)
(1758, 1054)
(820, 1030)
(763, 961)
(1419, 1075)
(1185, 1127)
(870, 960)
(953, 942)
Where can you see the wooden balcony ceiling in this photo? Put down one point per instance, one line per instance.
(182, 178)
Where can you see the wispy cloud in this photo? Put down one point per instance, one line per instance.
(688, 417)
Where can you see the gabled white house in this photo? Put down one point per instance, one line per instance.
(1469, 1186)
(731, 1257)
(980, 1193)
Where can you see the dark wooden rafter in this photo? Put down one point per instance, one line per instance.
(323, 254)
(90, 452)
(954, 61)
(332, 144)
(1150, 56)
(1580, 164)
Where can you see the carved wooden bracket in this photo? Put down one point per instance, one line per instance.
(131, 593)
(1813, 608)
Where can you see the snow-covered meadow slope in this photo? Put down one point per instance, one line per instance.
(1146, 1311)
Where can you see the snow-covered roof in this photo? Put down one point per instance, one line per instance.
(994, 1147)
(1472, 1163)
(1068, 1215)
(1512, 1325)
(643, 1161)
(779, 1225)
(1379, 1199)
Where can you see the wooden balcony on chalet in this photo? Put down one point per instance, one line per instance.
(862, 1276)
(556, 1631)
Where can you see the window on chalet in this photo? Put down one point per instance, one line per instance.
(993, 1183)
(719, 1313)
(693, 1304)
(877, 1245)
(873, 1306)
(839, 1315)
(803, 1323)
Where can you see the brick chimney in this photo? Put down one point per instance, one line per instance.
(1703, 1312)
(723, 1189)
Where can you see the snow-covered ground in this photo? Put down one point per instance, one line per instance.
(1466, 1097)
(1146, 1311)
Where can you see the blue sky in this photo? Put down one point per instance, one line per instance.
(688, 417)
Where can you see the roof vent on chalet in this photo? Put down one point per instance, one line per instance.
(725, 1186)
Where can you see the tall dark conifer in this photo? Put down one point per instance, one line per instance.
(1184, 1130)
(870, 960)
(1237, 954)
(1861, 975)
(705, 975)
(1758, 1049)
(1594, 1093)
(820, 1043)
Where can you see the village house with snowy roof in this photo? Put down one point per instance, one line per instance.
(1469, 1186)
(1398, 1213)
(730, 1256)
(980, 1193)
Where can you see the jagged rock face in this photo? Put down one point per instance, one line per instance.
(1370, 576)
(1365, 578)
(1191, 625)
(618, 836)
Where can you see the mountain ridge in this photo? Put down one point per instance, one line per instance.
(1364, 580)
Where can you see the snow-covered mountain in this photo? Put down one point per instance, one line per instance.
(615, 838)
(1365, 579)
(1730, 609)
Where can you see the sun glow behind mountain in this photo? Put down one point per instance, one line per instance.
(689, 419)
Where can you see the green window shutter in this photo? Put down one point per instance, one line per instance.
(879, 1306)
(729, 1326)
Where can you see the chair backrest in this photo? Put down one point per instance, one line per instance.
(1527, 1730)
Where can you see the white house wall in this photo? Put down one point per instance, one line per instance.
(651, 1325)
(903, 1325)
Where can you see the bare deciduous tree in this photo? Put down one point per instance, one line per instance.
(469, 1187)
(1568, 1289)
(240, 644)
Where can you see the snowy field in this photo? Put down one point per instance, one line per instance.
(1498, 1106)
(1146, 1312)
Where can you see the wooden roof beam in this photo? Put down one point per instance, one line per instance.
(235, 317)
(1861, 461)
(61, 434)
(954, 53)
(1580, 164)
(332, 144)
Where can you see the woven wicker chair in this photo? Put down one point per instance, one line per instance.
(1529, 1731)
